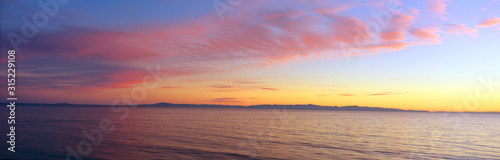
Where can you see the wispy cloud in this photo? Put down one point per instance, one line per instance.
(332, 10)
(272, 89)
(264, 37)
(489, 23)
(222, 86)
(346, 94)
(232, 89)
(430, 34)
(461, 29)
(426, 33)
(438, 7)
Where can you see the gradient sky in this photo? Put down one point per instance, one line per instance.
(429, 56)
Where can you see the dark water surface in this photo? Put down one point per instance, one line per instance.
(217, 133)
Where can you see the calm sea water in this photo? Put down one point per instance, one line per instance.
(215, 133)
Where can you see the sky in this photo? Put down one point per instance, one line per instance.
(437, 55)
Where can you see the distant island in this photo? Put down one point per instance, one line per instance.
(261, 106)
(287, 106)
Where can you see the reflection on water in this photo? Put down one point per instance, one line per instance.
(204, 133)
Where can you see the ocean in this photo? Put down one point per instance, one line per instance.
(92, 132)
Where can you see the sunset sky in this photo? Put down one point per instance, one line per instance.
(429, 56)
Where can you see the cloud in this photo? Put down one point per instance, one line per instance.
(222, 86)
(396, 31)
(383, 93)
(461, 29)
(78, 74)
(414, 11)
(66, 60)
(72, 57)
(230, 88)
(489, 23)
(293, 13)
(346, 94)
(272, 89)
(438, 7)
(332, 10)
(394, 35)
(427, 33)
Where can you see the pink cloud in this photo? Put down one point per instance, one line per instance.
(414, 11)
(208, 45)
(427, 33)
(401, 20)
(438, 6)
(103, 44)
(394, 35)
(285, 14)
(461, 29)
(395, 32)
(489, 23)
(126, 78)
(332, 10)
(392, 46)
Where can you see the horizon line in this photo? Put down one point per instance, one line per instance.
(64, 103)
